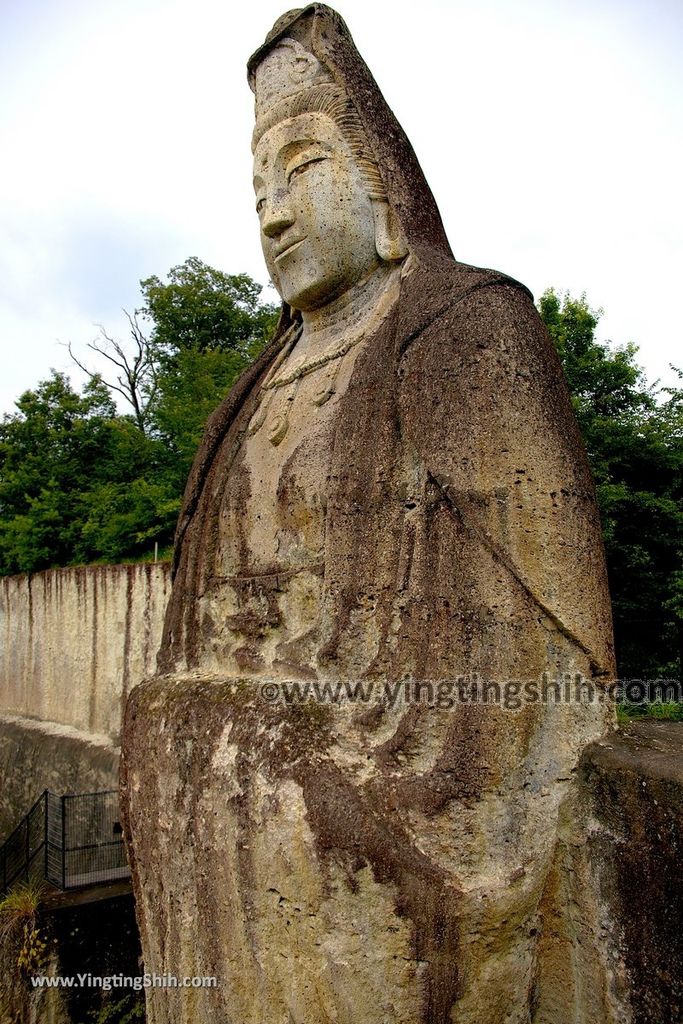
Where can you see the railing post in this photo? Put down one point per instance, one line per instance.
(27, 846)
(45, 835)
(63, 842)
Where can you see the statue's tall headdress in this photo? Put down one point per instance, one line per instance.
(311, 50)
(289, 81)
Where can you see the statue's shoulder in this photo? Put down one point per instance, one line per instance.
(438, 289)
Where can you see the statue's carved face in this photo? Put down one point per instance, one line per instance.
(317, 222)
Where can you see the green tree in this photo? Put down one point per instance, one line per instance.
(205, 310)
(46, 451)
(81, 482)
(69, 466)
(634, 438)
(205, 328)
(190, 388)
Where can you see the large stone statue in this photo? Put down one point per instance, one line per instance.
(392, 506)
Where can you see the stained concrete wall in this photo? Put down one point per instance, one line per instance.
(633, 784)
(75, 641)
(41, 755)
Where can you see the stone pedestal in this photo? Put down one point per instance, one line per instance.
(345, 862)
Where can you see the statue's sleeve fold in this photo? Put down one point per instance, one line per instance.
(483, 401)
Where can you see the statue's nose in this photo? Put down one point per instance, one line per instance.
(278, 214)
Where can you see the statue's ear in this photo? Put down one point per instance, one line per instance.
(389, 241)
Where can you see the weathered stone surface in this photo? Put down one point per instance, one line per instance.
(323, 860)
(633, 786)
(43, 755)
(75, 641)
(395, 491)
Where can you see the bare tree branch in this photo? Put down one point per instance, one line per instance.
(137, 381)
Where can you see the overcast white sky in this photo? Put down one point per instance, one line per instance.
(549, 130)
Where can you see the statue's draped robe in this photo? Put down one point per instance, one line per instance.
(461, 522)
(460, 539)
(383, 862)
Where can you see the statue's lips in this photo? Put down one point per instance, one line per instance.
(288, 248)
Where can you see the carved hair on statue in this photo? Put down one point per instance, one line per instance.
(332, 101)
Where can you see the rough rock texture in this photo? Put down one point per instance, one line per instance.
(395, 492)
(75, 641)
(43, 755)
(633, 788)
(319, 860)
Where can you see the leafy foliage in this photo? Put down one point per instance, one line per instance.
(23, 947)
(634, 438)
(80, 482)
(659, 711)
(127, 1010)
(75, 480)
(207, 326)
(189, 390)
(205, 310)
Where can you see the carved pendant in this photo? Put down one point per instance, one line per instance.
(278, 429)
(279, 425)
(327, 385)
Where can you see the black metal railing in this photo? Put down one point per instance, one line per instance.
(72, 841)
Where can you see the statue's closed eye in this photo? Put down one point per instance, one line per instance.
(304, 165)
(298, 168)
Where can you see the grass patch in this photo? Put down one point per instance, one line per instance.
(23, 948)
(19, 933)
(659, 711)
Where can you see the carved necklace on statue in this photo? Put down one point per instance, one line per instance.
(330, 361)
(279, 424)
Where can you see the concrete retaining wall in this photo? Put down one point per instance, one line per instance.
(75, 641)
(40, 755)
